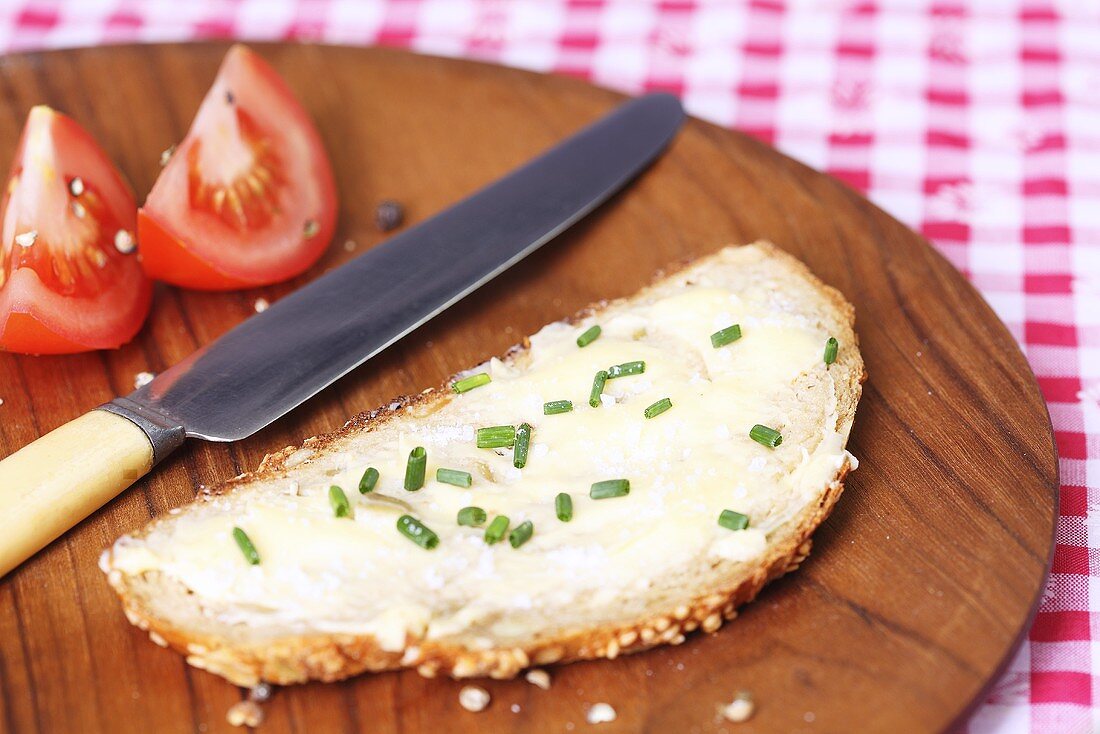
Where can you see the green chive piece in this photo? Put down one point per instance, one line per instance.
(369, 480)
(589, 336)
(466, 384)
(417, 532)
(557, 406)
(339, 502)
(733, 520)
(473, 517)
(496, 437)
(523, 445)
(767, 436)
(597, 388)
(725, 336)
(831, 347)
(609, 488)
(414, 470)
(521, 534)
(659, 407)
(456, 477)
(626, 369)
(563, 506)
(496, 530)
(245, 544)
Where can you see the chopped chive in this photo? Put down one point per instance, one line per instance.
(496, 530)
(659, 407)
(767, 436)
(733, 520)
(457, 477)
(609, 488)
(473, 517)
(725, 336)
(417, 532)
(339, 502)
(626, 369)
(521, 534)
(523, 445)
(496, 437)
(245, 544)
(597, 388)
(414, 470)
(589, 336)
(563, 506)
(369, 480)
(557, 406)
(831, 347)
(469, 383)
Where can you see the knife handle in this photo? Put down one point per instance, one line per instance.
(52, 484)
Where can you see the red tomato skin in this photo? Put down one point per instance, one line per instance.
(192, 248)
(37, 320)
(166, 257)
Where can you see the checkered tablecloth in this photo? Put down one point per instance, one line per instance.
(977, 123)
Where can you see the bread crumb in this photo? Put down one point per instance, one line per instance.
(473, 698)
(141, 379)
(538, 677)
(600, 713)
(245, 713)
(740, 709)
(261, 305)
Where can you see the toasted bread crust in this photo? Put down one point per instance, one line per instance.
(329, 657)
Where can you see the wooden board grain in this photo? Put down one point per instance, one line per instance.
(919, 585)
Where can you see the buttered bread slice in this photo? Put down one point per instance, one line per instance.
(564, 502)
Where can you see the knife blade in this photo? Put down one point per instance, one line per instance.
(276, 360)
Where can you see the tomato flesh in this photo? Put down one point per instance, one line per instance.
(69, 279)
(248, 197)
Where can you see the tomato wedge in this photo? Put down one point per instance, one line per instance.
(69, 278)
(248, 197)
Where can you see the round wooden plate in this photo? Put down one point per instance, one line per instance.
(918, 588)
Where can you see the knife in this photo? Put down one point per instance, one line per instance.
(275, 360)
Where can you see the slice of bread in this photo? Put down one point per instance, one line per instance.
(334, 596)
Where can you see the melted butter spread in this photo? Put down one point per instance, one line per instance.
(359, 575)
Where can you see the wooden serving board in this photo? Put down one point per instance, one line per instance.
(919, 586)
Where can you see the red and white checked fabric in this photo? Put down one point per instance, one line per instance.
(977, 123)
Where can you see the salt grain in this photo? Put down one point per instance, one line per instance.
(141, 379)
(515, 708)
(260, 692)
(27, 238)
(740, 709)
(600, 713)
(473, 698)
(261, 305)
(538, 677)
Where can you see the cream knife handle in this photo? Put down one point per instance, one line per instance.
(52, 484)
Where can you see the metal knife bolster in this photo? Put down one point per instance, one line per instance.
(165, 434)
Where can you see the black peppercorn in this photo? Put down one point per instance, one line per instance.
(389, 215)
